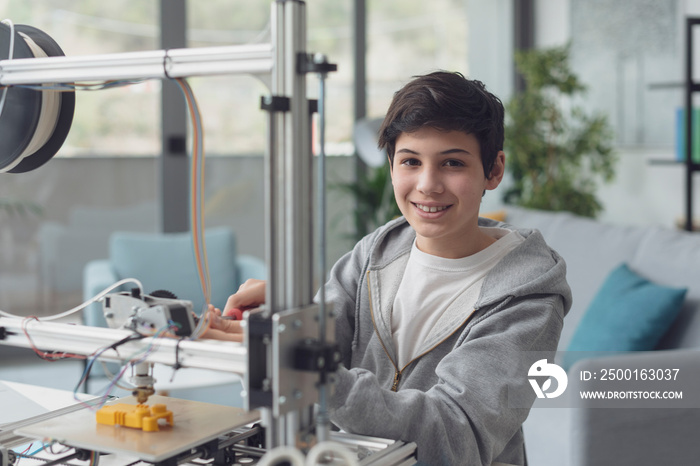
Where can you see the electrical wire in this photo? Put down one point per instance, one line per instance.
(80, 307)
(196, 192)
(71, 87)
(140, 356)
(95, 357)
(46, 356)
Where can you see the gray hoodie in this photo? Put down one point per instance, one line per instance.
(463, 401)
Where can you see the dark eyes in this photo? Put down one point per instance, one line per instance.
(447, 163)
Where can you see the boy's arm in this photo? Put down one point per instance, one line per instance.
(482, 396)
(341, 291)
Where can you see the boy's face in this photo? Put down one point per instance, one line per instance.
(439, 180)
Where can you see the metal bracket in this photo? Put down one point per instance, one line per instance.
(275, 103)
(258, 336)
(310, 63)
(285, 361)
(311, 355)
(5, 457)
(293, 388)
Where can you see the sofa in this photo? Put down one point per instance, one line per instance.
(631, 432)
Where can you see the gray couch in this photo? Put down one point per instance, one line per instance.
(578, 433)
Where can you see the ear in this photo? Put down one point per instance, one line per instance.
(497, 172)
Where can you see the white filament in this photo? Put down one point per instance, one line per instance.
(48, 113)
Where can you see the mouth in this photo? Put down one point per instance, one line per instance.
(430, 209)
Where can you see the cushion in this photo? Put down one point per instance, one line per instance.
(629, 313)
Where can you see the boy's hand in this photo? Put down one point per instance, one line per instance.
(250, 295)
(227, 325)
(222, 329)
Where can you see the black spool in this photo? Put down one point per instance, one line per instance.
(20, 115)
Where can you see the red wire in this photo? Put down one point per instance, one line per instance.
(42, 354)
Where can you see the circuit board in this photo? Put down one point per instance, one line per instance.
(195, 423)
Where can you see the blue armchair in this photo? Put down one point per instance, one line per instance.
(165, 261)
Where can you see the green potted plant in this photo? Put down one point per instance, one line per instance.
(374, 199)
(557, 154)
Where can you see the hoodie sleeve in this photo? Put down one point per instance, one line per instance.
(481, 397)
(343, 290)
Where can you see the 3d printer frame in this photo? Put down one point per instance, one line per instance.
(288, 355)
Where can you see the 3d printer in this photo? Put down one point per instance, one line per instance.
(288, 356)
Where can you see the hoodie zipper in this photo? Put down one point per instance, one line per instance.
(398, 373)
(397, 379)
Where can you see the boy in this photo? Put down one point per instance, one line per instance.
(439, 310)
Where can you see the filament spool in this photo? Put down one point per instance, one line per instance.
(33, 124)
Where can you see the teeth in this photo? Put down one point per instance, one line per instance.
(430, 209)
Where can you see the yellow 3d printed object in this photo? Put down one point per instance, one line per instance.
(136, 416)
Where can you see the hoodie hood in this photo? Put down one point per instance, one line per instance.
(539, 268)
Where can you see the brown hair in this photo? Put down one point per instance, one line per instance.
(449, 102)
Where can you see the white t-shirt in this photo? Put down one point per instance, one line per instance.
(420, 317)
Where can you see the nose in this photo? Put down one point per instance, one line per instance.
(429, 181)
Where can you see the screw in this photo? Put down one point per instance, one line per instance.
(297, 394)
(282, 400)
(281, 328)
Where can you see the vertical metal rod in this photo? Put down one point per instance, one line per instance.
(173, 163)
(290, 218)
(299, 205)
(298, 180)
(293, 421)
(266, 419)
(689, 83)
(359, 53)
(274, 232)
(274, 206)
(323, 422)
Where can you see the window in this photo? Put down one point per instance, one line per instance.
(122, 120)
(405, 38)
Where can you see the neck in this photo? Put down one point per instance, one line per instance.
(455, 249)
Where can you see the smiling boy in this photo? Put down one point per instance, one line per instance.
(439, 311)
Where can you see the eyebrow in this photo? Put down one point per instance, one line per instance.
(455, 150)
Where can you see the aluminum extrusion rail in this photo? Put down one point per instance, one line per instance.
(80, 339)
(173, 63)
